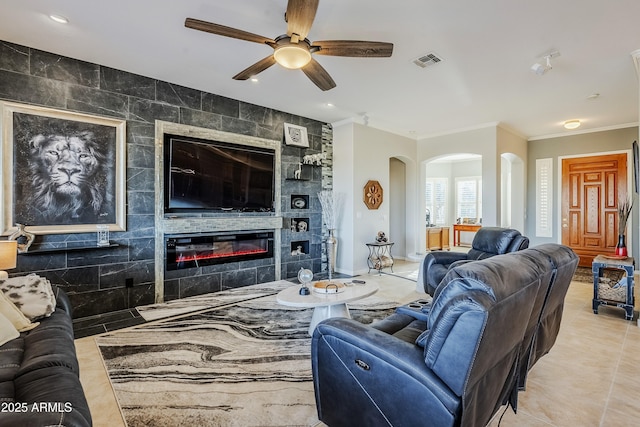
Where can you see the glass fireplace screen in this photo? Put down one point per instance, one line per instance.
(201, 250)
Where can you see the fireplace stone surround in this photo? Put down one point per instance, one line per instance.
(194, 224)
(284, 263)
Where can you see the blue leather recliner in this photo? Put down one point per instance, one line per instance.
(453, 361)
(488, 242)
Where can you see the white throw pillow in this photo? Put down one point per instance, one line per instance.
(15, 316)
(8, 332)
(32, 294)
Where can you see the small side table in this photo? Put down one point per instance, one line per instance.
(380, 256)
(616, 294)
(457, 228)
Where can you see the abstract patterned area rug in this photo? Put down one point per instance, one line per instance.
(207, 301)
(246, 364)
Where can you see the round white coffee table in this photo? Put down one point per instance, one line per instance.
(326, 305)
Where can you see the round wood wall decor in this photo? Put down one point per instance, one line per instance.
(372, 194)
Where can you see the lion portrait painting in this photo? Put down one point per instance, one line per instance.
(63, 173)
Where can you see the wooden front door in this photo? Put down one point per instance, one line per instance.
(591, 188)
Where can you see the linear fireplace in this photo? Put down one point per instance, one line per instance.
(189, 251)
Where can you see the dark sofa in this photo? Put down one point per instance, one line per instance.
(450, 362)
(488, 242)
(39, 374)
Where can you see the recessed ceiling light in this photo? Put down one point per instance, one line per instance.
(329, 105)
(254, 79)
(572, 124)
(59, 19)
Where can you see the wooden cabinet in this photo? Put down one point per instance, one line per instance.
(437, 238)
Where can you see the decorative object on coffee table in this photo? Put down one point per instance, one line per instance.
(624, 210)
(305, 276)
(373, 194)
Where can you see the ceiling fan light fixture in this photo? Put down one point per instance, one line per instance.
(292, 56)
(572, 124)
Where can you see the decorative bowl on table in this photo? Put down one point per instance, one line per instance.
(327, 287)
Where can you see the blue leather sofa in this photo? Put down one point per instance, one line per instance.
(488, 242)
(453, 361)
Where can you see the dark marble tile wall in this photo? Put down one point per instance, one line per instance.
(95, 279)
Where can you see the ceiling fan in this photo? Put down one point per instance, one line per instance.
(293, 50)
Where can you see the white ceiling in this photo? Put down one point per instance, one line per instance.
(488, 49)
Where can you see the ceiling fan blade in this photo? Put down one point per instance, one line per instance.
(222, 30)
(299, 17)
(318, 75)
(353, 48)
(256, 68)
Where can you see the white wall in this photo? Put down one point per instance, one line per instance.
(344, 166)
(513, 148)
(480, 141)
(361, 154)
(490, 142)
(397, 207)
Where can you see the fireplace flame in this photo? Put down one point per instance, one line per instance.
(212, 255)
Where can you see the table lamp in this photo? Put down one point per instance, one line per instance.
(8, 257)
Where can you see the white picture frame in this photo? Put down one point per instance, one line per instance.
(99, 173)
(296, 135)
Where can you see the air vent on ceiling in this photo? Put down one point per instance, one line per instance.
(427, 60)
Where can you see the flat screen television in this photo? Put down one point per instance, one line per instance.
(203, 175)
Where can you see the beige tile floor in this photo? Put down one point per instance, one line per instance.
(591, 377)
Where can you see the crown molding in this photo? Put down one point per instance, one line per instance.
(583, 131)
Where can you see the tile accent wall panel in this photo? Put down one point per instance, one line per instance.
(96, 283)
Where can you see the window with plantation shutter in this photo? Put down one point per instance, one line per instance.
(469, 197)
(544, 200)
(436, 200)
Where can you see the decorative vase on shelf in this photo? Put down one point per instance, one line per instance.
(332, 251)
(625, 206)
(331, 204)
(621, 247)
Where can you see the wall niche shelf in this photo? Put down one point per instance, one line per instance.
(299, 201)
(69, 249)
(299, 225)
(300, 248)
